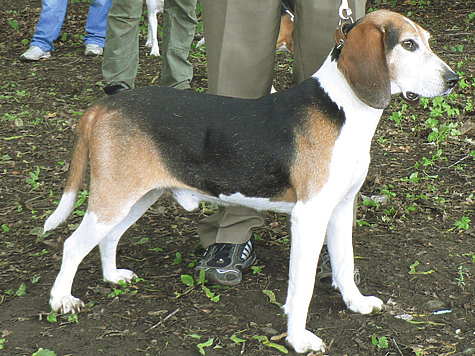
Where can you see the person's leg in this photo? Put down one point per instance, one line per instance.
(96, 24)
(121, 51)
(314, 27)
(179, 28)
(240, 45)
(49, 24)
(232, 224)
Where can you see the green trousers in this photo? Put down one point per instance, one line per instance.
(121, 52)
(241, 36)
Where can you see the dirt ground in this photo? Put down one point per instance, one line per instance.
(416, 251)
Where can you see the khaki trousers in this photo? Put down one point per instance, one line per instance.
(121, 52)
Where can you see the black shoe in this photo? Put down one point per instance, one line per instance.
(223, 263)
(114, 89)
(324, 270)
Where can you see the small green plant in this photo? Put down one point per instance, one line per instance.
(73, 318)
(272, 298)
(14, 25)
(462, 273)
(190, 282)
(44, 352)
(43, 252)
(33, 179)
(202, 345)
(52, 317)
(21, 291)
(381, 342)
(463, 223)
(2, 341)
(82, 196)
(265, 341)
(256, 270)
(412, 269)
(123, 288)
(387, 191)
(237, 339)
(178, 259)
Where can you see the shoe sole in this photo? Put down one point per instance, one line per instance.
(24, 59)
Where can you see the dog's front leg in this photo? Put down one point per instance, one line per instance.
(340, 247)
(309, 221)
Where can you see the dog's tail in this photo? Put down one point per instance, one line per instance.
(77, 171)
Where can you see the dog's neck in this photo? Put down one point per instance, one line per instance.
(336, 85)
(361, 119)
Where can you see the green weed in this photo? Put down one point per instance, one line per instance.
(381, 342)
(190, 282)
(463, 223)
(202, 345)
(265, 341)
(44, 352)
(412, 269)
(33, 179)
(270, 294)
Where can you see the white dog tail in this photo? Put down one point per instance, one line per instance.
(76, 173)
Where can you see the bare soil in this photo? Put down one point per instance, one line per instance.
(430, 306)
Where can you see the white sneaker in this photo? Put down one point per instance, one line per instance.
(35, 53)
(93, 50)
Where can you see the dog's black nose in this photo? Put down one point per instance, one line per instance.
(451, 79)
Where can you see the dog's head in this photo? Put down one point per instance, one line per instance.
(385, 53)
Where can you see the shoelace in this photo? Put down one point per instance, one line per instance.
(222, 251)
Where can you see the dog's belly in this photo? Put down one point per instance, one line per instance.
(190, 200)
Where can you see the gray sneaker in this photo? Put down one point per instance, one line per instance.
(324, 271)
(93, 50)
(223, 263)
(35, 53)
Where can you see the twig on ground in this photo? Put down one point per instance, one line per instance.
(163, 320)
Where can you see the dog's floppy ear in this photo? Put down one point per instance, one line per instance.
(363, 62)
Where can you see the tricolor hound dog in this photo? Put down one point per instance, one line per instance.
(302, 151)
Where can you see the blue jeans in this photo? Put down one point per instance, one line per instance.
(52, 17)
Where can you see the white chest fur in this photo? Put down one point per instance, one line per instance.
(351, 157)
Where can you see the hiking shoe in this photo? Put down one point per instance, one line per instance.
(324, 270)
(34, 53)
(114, 89)
(223, 263)
(93, 50)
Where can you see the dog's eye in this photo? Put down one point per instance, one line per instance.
(409, 45)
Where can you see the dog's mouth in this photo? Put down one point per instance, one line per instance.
(411, 97)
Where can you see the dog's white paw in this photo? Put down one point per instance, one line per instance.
(365, 305)
(67, 304)
(155, 51)
(305, 341)
(120, 274)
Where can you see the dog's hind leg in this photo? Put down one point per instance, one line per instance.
(89, 233)
(340, 247)
(95, 227)
(108, 245)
